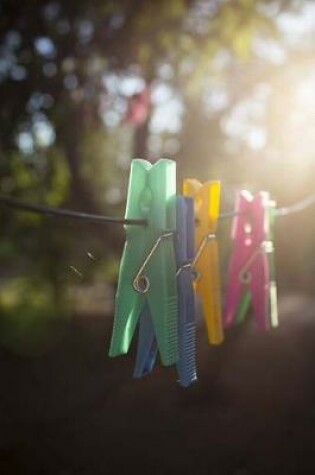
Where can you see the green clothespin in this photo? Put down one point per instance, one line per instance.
(242, 308)
(273, 300)
(148, 266)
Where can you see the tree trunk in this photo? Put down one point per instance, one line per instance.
(141, 140)
(81, 191)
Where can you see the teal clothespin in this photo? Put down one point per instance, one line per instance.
(148, 266)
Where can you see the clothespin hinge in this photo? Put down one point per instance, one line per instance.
(245, 275)
(141, 283)
(200, 249)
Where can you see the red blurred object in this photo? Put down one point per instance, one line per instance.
(138, 108)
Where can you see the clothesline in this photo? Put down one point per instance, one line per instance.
(99, 219)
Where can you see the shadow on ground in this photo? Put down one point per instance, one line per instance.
(76, 411)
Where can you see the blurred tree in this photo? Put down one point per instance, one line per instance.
(64, 64)
(86, 86)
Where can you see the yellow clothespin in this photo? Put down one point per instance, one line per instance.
(207, 285)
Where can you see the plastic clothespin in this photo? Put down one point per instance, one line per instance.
(147, 346)
(207, 285)
(251, 275)
(185, 253)
(148, 267)
(273, 296)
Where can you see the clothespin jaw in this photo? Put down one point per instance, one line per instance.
(147, 347)
(250, 266)
(148, 267)
(207, 285)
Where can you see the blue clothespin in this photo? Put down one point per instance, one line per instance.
(147, 345)
(185, 253)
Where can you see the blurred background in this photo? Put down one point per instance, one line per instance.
(225, 88)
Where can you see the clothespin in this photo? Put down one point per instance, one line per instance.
(251, 275)
(148, 268)
(147, 345)
(138, 107)
(147, 348)
(185, 253)
(273, 297)
(207, 285)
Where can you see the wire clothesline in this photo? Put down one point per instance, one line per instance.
(178, 340)
(297, 207)
(66, 213)
(99, 219)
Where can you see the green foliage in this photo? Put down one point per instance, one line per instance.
(44, 177)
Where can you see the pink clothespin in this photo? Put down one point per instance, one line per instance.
(251, 269)
(138, 108)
